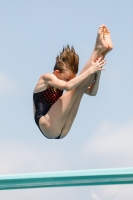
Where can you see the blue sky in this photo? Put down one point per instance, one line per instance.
(32, 34)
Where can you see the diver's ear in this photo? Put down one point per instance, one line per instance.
(56, 72)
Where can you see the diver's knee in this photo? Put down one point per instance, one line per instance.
(64, 132)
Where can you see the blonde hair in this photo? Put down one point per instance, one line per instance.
(68, 59)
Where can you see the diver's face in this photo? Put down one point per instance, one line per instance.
(66, 75)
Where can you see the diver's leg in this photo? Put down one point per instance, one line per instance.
(71, 117)
(63, 111)
(100, 47)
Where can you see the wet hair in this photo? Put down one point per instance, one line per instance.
(67, 59)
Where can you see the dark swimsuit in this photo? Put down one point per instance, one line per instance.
(43, 102)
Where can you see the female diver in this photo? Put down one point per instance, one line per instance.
(54, 112)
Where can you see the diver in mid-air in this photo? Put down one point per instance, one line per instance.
(55, 111)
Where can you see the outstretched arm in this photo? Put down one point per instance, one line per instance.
(51, 79)
(93, 88)
(73, 83)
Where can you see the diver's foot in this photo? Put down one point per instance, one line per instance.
(107, 39)
(101, 45)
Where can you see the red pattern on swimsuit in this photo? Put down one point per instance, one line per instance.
(50, 95)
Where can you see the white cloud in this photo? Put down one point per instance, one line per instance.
(113, 144)
(7, 86)
(23, 157)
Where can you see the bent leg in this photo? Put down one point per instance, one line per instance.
(105, 43)
(100, 47)
(71, 117)
(62, 113)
